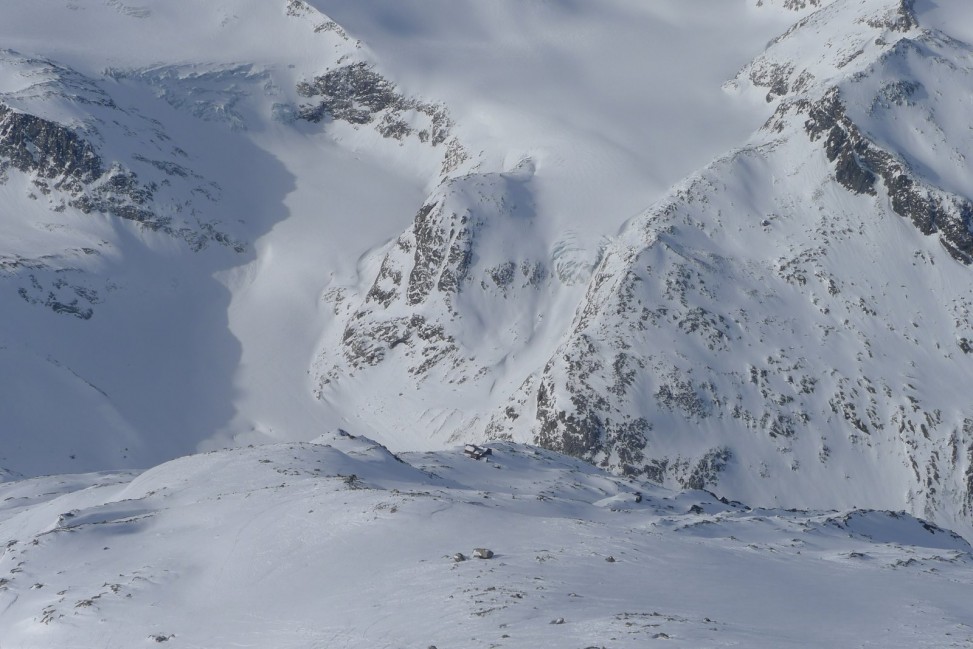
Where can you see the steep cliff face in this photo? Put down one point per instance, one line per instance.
(793, 324)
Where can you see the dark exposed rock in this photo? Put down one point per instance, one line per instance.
(967, 504)
(578, 433)
(852, 174)
(899, 93)
(799, 5)
(413, 304)
(443, 252)
(708, 469)
(353, 93)
(59, 159)
(298, 8)
(61, 297)
(585, 428)
(357, 94)
(332, 26)
(367, 343)
(503, 274)
(683, 395)
(901, 19)
(796, 5)
(385, 288)
(774, 77)
(51, 151)
(860, 164)
(429, 253)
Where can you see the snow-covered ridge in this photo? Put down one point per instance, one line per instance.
(881, 103)
(343, 542)
(835, 42)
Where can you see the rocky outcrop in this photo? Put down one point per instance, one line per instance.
(861, 161)
(54, 153)
(357, 94)
(795, 5)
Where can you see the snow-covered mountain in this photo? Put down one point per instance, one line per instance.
(342, 543)
(699, 268)
(607, 229)
(790, 325)
(190, 194)
(793, 323)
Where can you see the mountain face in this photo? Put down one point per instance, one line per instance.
(428, 223)
(803, 299)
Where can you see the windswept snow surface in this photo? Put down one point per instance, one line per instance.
(338, 543)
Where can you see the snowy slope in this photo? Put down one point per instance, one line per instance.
(340, 543)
